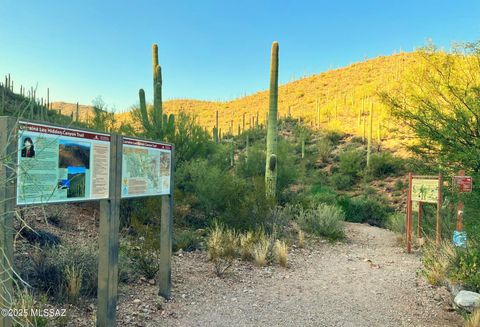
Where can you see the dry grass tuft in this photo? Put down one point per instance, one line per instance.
(301, 238)
(474, 319)
(281, 253)
(437, 260)
(74, 277)
(260, 251)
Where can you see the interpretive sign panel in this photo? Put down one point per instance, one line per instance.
(425, 190)
(61, 164)
(146, 168)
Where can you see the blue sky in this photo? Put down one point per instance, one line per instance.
(211, 50)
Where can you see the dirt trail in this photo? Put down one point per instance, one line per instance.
(366, 281)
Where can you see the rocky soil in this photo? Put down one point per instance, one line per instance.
(367, 281)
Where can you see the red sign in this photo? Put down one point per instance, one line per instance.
(464, 183)
(147, 144)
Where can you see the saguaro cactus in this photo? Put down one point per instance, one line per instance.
(369, 146)
(159, 125)
(272, 131)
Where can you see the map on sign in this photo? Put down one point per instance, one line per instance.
(425, 190)
(146, 168)
(57, 164)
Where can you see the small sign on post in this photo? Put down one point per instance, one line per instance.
(423, 189)
(462, 184)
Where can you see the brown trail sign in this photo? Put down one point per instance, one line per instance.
(59, 164)
(423, 189)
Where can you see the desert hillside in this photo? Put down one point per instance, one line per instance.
(339, 94)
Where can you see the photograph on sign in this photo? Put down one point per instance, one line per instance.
(425, 190)
(58, 164)
(146, 168)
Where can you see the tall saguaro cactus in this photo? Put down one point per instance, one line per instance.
(272, 131)
(157, 125)
(369, 146)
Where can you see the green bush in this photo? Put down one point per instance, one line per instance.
(145, 260)
(466, 266)
(213, 193)
(322, 220)
(333, 137)
(396, 222)
(351, 162)
(385, 164)
(322, 194)
(254, 164)
(324, 148)
(341, 181)
(362, 210)
(187, 240)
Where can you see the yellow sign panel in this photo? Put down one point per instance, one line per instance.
(415, 205)
(425, 190)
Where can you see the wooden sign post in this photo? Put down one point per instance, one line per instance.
(108, 243)
(166, 235)
(423, 189)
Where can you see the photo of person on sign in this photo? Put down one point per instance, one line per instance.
(28, 149)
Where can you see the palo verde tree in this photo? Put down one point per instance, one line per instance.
(440, 103)
(272, 129)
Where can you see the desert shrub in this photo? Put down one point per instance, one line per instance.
(281, 252)
(276, 222)
(222, 247)
(437, 261)
(56, 270)
(334, 137)
(363, 210)
(322, 220)
(287, 170)
(254, 164)
(465, 268)
(41, 237)
(342, 181)
(396, 222)
(190, 139)
(144, 257)
(213, 193)
(399, 185)
(384, 164)
(187, 240)
(324, 148)
(322, 194)
(351, 162)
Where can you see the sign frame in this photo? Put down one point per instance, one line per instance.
(19, 132)
(137, 142)
(410, 200)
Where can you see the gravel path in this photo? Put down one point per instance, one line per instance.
(367, 281)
